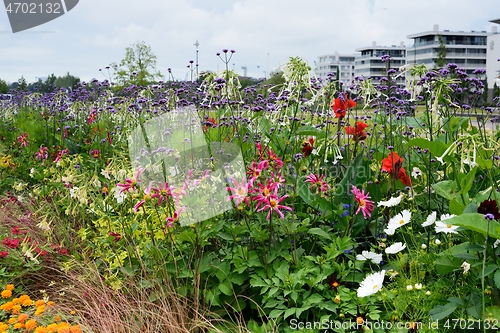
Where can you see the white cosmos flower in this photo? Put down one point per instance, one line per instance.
(395, 248)
(371, 284)
(391, 202)
(497, 242)
(368, 255)
(446, 228)
(447, 216)
(418, 286)
(430, 220)
(398, 221)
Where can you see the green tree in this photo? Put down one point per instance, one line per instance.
(68, 81)
(22, 84)
(139, 65)
(4, 88)
(441, 59)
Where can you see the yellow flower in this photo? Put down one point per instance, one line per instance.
(7, 306)
(3, 327)
(31, 324)
(12, 320)
(40, 329)
(40, 302)
(6, 293)
(52, 328)
(10, 287)
(18, 326)
(75, 329)
(27, 302)
(51, 303)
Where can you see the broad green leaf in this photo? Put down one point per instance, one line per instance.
(437, 148)
(225, 288)
(493, 312)
(456, 208)
(289, 312)
(467, 181)
(311, 130)
(442, 311)
(320, 232)
(276, 313)
(444, 265)
(477, 222)
(497, 278)
(446, 188)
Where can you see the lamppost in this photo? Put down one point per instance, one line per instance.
(196, 44)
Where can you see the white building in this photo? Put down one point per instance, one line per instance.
(466, 49)
(369, 61)
(330, 63)
(492, 56)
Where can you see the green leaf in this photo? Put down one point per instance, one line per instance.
(313, 200)
(289, 312)
(225, 288)
(446, 188)
(444, 265)
(496, 277)
(276, 313)
(476, 222)
(442, 311)
(456, 208)
(467, 181)
(320, 232)
(493, 312)
(128, 271)
(311, 130)
(437, 148)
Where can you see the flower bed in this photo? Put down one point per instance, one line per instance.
(275, 208)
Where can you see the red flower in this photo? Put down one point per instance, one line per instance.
(209, 123)
(4, 254)
(358, 131)
(341, 104)
(308, 146)
(392, 164)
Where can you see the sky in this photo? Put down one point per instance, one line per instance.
(264, 33)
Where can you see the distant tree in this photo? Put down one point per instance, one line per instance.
(139, 65)
(4, 88)
(22, 84)
(441, 59)
(68, 81)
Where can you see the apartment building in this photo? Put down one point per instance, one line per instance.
(368, 62)
(466, 49)
(493, 56)
(331, 63)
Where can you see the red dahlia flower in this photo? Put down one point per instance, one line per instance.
(341, 104)
(393, 164)
(358, 131)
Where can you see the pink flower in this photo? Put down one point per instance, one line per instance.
(318, 184)
(274, 205)
(60, 154)
(265, 192)
(239, 192)
(42, 153)
(163, 192)
(131, 183)
(92, 117)
(364, 204)
(255, 170)
(147, 196)
(116, 236)
(4, 254)
(23, 139)
(171, 220)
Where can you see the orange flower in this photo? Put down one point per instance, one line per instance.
(22, 317)
(16, 309)
(27, 302)
(51, 303)
(18, 326)
(40, 302)
(6, 293)
(63, 327)
(52, 328)
(31, 324)
(392, 164)
(57, 318)
(340, 105)
(75, 329)
(7, 306)
(10, 287)
(12, 320)
(40, 329)
(3, 327)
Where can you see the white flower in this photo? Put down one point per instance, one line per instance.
(371, 284)
(398, 221)
(446, 228)
(430, 220)
(395, 248)
(118, 196)
(409, 287)
(423, 246)
(105, 173)
(437, 241)
(497, 242)
(416, 172)
(368, 255)
(391, 202)
(447, 216)
(428, 292)
(72, 192)
(465, 266)
(418, 286)
(32, 172)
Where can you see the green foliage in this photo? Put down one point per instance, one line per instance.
(441, 59)
(138, 67)
(4, 88)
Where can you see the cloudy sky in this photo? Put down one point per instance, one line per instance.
(264, 33)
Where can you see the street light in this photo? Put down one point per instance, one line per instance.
(197, 44)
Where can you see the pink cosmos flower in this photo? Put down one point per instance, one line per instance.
(239, 193)
(23, 139)
(42, 153)
(274, 205)
(163, 192)
(364, 204)
(318, 183)
(131, 183)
